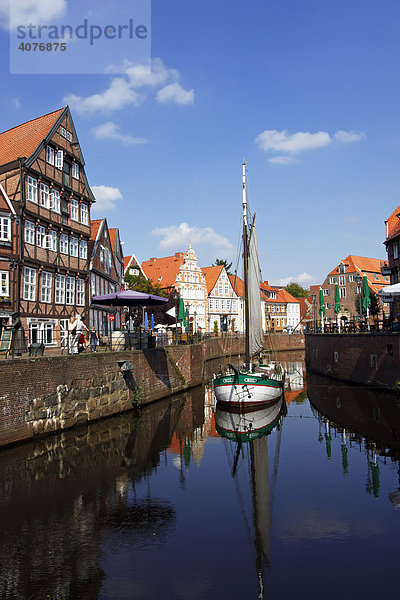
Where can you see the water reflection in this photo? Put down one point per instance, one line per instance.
(358, 418)
(60, 496)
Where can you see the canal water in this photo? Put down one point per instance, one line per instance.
(159, 505)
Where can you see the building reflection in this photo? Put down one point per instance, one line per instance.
(61, 495)
(355, 417)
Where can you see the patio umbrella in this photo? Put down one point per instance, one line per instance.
(321, 307)
(366, 300)
(152, 322)
(128, 298)
(187, 320)
(182, 312)
(337, 304)
(146, 322)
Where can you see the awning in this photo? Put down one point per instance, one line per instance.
(128, 298)
(390, 290)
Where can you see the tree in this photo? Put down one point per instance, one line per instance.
(139, 283)
(375, 307)
(296, 290)
(219, 262)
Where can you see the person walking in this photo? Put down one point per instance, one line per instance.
(94, 338)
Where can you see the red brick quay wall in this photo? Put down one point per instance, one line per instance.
(371, 359)
(53, 393)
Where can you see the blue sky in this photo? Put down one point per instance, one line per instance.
(306, 90)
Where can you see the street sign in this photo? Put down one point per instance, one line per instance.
(111, 317)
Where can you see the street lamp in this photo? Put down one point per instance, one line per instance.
(358, 280)
(195, 323)
(175, 297)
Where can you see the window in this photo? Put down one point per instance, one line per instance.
(55, 200)
(63, 132)
(342, 280)
(4, 283)
(107, 262)
(342, 292)
(59, 159)
(83, 249)
(32, 189)
(341, 269)
(44, 195)
(74, 209)
(50, 155)
(376, 277)
(60, 289)
(29, 232)
(48, 333)
(52, 240)
(42, 332)
(5, 229)
(395, 250)
(45, 295)
(326, 292)
(64, 243)
(84, 214)
(216, 304)
(29, 283)
(75, 170)
(350, 278)
(40, 236)
(80, 292)
(133, 271)
(69, 136)
(358, 290)
(70, 290)
(73, 246)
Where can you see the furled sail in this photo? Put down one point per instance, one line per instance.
(256, 338)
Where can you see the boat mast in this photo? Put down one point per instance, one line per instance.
(245, 268)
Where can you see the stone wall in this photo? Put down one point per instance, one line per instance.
(365, 358)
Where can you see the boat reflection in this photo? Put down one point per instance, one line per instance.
(250, 431)
(359, 417)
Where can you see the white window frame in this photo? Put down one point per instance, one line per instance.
(64, 244)
(73, 246)
(46, 287)
(55, 201)
(59, 159)
(59, 289)
(84, 214)
(342, 292)
(80, 292)
(52, 239)
(29, 283)
(395, 250)
(44, 195)
(5, 229)
(32, 190)
(75, 210)
(50, 155)
(75, 170)
(41, 328)
(342, 280)
(29, 232)
(83, 249)
(70, 290)
(40, 236)
(4, 283)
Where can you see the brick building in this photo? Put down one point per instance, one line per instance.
(8, 257)
(105, 276)
(42, 173)
(348, 274)
(392, 244)
(282, 310)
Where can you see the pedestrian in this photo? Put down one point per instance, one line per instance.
(94, 338)
(81, 343)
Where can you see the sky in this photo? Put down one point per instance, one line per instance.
(307, 91)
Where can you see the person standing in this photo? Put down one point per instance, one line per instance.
(94, 338)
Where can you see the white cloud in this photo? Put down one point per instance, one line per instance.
(345, 137)
(26, 12)
(111, 131)
(16, 102)
(118, 95)
(106, 198)
(179, 236)
(123, 91)
(282, 160)
(174, 92)
(292, 144)
(304, 279)
(282, 141)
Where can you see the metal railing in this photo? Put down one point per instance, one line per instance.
(354, 325)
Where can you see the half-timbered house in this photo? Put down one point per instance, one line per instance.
(42, 173)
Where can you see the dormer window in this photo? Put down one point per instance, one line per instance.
(341, 269)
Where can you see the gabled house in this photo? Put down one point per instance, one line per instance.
(42, 171)
(182, 273)
(223, 301)
(132, 266)
(104, 278)
(8, 258)
(392, 267)
(282, 310)
(118, 254)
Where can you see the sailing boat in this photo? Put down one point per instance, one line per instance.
(243, 388)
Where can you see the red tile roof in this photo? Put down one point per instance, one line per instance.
(393, 223)
(112, 232)
(237, 284)
(22, 140)
(94, 228)
(370, 267)
(126, 261)
(286, 297)
(211, 274)
(163, 270)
